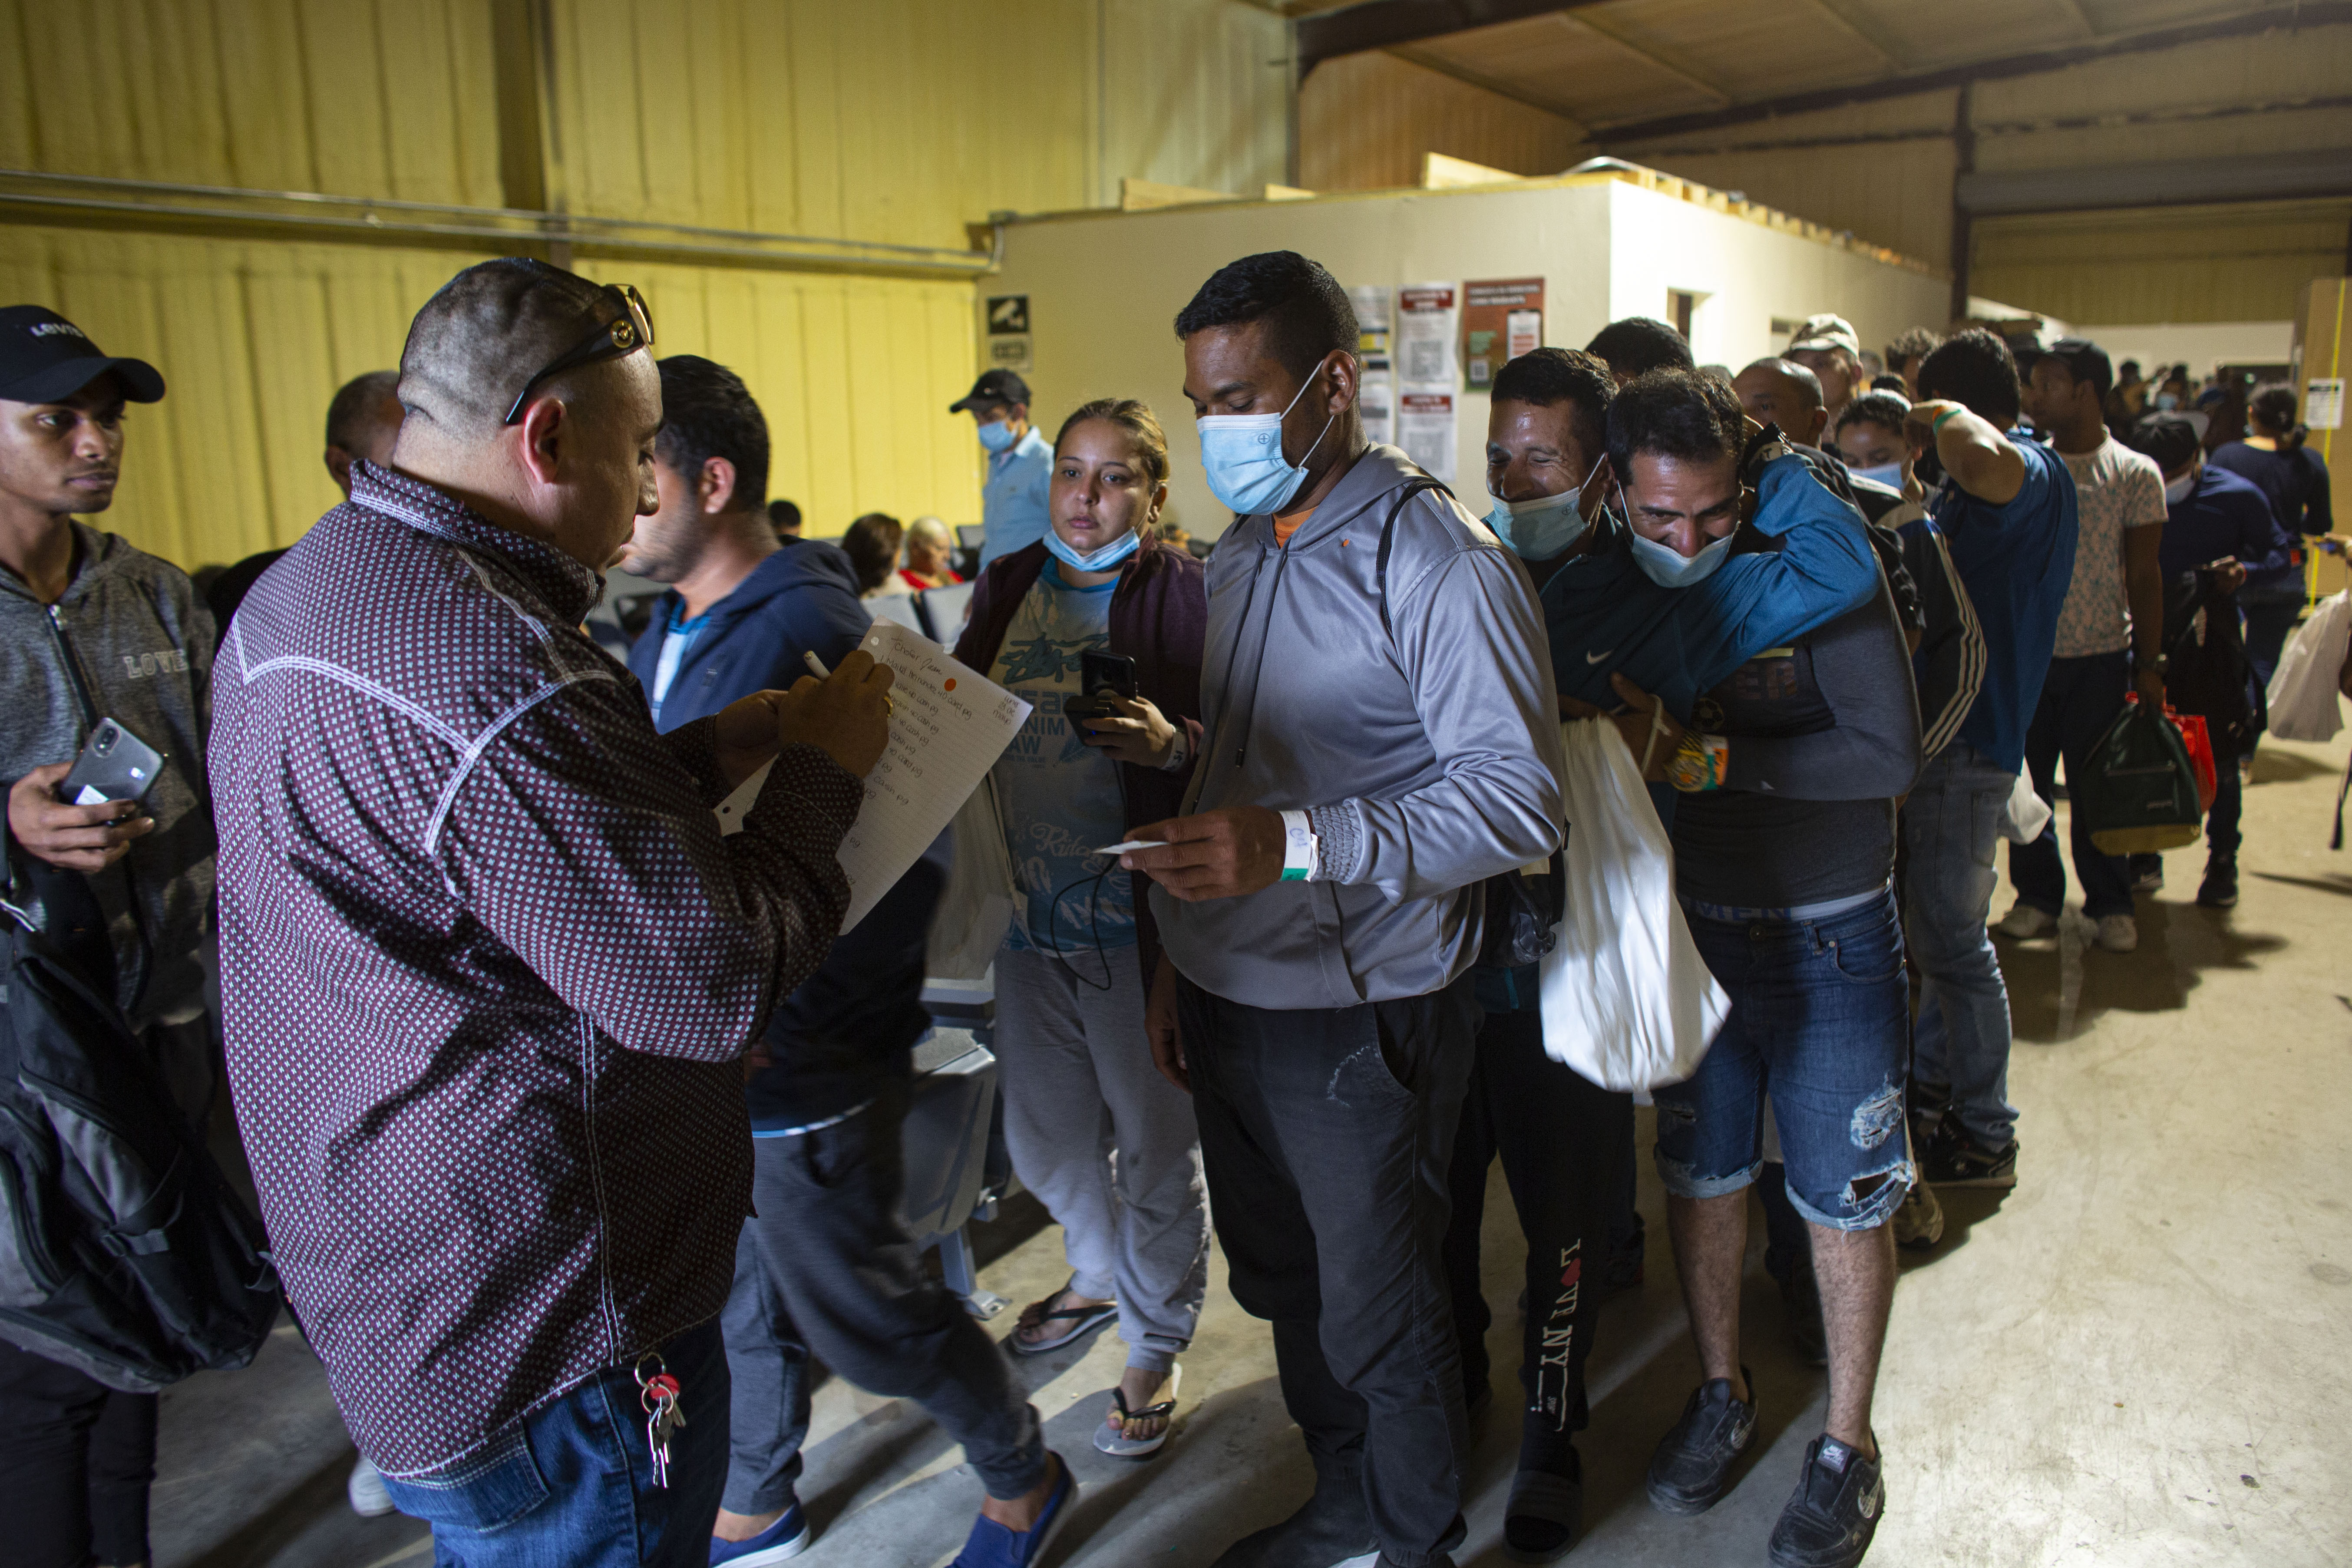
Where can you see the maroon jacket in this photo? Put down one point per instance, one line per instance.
(1159, 617)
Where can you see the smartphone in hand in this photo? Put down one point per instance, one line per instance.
(114, 764)
(1101, 675)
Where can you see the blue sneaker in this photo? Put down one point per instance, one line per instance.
(991, 1545)
(788, 1536)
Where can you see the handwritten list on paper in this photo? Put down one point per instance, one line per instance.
(948, 728)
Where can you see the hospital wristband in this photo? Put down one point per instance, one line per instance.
(1700, 763)
(1299, 847)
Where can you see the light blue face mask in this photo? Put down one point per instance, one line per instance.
(1102, 559)
(1887, 474)
(998, 436)
(1669, 568)
(1540, 527)
(1242, 456)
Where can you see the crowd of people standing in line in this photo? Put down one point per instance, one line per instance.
(569, 1116)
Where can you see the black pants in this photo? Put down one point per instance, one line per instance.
(1326, 1133)
(827, 1268)
(76, 1460)
(1564, 1142)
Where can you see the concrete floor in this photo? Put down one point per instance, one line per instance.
(2139, 1356)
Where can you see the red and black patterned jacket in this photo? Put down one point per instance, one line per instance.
(488, 967)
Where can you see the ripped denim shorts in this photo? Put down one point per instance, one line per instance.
(1821, 1022)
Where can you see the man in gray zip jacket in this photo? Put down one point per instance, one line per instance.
(92, 628)
(1380, 737)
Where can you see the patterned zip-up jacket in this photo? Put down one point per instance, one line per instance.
(488, 967)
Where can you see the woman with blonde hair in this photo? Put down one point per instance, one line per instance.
(1105, 1142)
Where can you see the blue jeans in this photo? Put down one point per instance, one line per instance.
(571, 1485)
(2079, 700)
(1819, 1020)
(1950, 825)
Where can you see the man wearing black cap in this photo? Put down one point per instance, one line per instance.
(89, 629)
(1012, 504)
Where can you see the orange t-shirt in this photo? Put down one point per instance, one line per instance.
(1283, 527)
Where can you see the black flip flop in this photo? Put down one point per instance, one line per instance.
(1087, 1319)
(1117, 1444)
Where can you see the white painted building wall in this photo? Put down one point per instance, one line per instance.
(1104, 288)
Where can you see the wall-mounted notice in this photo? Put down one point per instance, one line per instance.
(1377, 397)
(2322, 403)
(1425, 431)
(1501, 320)
(1376, 365)
(1008, 332)
(1371, 302)
(1426, 316)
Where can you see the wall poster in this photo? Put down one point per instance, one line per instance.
(1501, 320)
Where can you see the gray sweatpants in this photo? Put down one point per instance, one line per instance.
(1107, 1145)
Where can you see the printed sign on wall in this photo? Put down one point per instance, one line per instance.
(1501, 320)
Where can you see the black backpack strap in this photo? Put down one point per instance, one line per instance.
(1419, 484)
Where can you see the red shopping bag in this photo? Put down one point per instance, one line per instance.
(2194, 736)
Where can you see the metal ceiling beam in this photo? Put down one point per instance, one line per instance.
(2270, 176)
(1384, 23)
(1648, 56)
(2305, 14)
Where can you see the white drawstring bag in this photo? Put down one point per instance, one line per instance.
(2303, 694)
(1627, 1000)
(2027, 814)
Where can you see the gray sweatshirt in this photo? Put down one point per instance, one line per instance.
(1429, 760)
(141, 640)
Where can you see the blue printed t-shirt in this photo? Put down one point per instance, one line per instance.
(2016, 560)
(1060, 796)
(677, 639)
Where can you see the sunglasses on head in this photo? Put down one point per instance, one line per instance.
(625, 334)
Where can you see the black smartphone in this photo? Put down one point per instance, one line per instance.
(1101, 675)
(114, 764)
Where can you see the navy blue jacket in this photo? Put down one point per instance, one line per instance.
(858, 1016)
(801, 599)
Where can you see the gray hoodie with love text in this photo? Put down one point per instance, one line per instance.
(1426, 754)
(129, 640)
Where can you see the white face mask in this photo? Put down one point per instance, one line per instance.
(1887, 474)
(2177, 490)
(1670, 568)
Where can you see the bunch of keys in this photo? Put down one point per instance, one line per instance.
(658, 1394)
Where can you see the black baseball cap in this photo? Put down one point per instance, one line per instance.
(993, 386)
(2084, 361)
(44, 358)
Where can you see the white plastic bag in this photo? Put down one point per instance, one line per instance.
(1627, 1001)
(2027, 814)
(2303, 693)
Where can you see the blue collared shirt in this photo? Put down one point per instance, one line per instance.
(1014, 511)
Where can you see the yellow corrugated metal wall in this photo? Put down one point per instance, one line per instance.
(893, 120)
(1364, 121)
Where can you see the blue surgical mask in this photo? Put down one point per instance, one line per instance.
(1887, 474)
(1102, 559)
(1242, 456)
(1540, 527)
(1669, 568)
(997, 436)
(2167, 400)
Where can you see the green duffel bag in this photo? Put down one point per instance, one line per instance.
(2141, 794)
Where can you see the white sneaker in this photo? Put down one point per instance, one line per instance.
(2023, 921)
(366, 1488)
(2118, 934)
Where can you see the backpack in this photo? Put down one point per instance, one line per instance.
(123, 1253)
(1522, 911)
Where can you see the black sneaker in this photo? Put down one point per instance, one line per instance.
(1829, 1521)
(1956, 1159)
(1692, 1469)
(1928, 1104)
(1801, 1309)
(2147, 873)
(1334, 1527)
(2219, 889)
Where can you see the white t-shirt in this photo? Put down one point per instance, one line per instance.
(2116, 489)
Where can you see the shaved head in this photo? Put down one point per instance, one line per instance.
(486, 332)
(1784, 393)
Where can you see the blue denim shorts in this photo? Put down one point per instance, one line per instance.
(1821, 1022)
